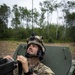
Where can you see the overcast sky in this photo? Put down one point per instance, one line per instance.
(28, 4)
(24, 3)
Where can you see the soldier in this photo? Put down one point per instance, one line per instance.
(31, 64)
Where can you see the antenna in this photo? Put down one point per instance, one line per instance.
(32, 15)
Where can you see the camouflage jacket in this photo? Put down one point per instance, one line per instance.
(40, 69)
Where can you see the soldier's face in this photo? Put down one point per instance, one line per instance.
(32, 49)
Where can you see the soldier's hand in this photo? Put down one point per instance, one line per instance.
(8, 57)
(24, 62)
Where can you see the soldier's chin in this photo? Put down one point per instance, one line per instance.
(30, 55)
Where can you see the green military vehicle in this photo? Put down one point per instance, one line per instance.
(59, 59)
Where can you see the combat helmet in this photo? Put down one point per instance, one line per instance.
(38, 40)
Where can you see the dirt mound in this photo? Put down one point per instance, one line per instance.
(8, 47)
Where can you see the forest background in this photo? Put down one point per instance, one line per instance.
(24, 22)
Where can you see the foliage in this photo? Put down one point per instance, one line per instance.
(15, 20)
(70, 20)
(50, 40)
(24, 22)
(4, 14)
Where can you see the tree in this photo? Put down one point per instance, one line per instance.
(67, 8)
(35, 17)
(70, 20)
(48, 7)
(16, 18)
(25, 15)
(4, 14)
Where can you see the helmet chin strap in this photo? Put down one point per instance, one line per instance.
(30, 55)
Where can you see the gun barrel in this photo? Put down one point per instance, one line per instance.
(7, 66)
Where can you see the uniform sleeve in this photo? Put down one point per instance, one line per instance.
(44, 71)
(15, 71)
(48, 72)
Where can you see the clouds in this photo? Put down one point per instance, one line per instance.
(10, 3)
(24, 3)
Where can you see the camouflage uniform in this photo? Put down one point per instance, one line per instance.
(40, 69)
